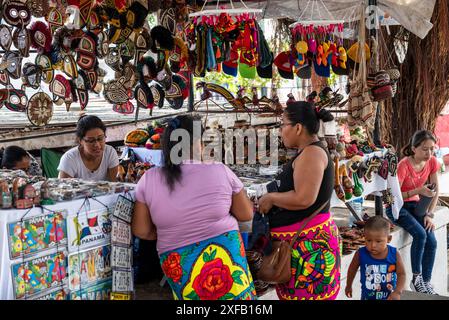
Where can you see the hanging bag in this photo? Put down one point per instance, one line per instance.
(360, 109)
(276, 267)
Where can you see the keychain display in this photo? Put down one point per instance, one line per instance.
(122, 253)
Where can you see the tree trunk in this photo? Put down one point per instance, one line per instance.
(423, 89)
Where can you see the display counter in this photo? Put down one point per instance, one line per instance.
(65, 251)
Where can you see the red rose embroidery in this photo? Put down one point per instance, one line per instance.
(214, 280)
(171, 266)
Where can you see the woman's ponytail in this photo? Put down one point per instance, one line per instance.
(407, 150)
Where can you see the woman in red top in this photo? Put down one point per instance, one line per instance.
(417, 174)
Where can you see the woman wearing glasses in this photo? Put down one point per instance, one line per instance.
(306, 186)
(92, 159)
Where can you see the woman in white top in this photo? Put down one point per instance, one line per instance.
(92, 159)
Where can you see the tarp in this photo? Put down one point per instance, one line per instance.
(414, 15)
(50, 162)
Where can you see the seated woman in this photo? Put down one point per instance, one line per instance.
(417, 171)
(92, 159)
(192, 209)
(16, 158)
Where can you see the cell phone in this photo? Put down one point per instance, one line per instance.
(431, 186)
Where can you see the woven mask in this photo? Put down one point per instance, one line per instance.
(85, 9)
(38, 8)
(123, 35)
(144, 97)
(32, 75)
(5, 37)
(4, 77)
(55, 20)
(14, 99)
(15, 64)
(82, 85)
(22, 40)
(114, 59)
(164, 77)
(61, 89)
(124, 108)
(143, 44)
(69, 66)
(168, 19)
(175, 90)
(16, 14)
(40, 109)
(115, 91)
(94, 21)
(102, 45)
(45, 63)
(40, 36)
(127, 51)
(130, 74)
(86, 53)
(92, 77)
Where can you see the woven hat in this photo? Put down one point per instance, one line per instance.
(246, 71)
(283, 63)
(230, 68)
(265, 72)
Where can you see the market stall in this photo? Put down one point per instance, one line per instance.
(77, 248)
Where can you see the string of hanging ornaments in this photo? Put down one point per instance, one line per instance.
(227, 40)
(317, 43)
(233, 11)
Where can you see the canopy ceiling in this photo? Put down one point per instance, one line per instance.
(414, 15)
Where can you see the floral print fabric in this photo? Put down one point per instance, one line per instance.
(213, 269)
(315, 262)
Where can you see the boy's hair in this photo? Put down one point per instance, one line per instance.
(378, 223)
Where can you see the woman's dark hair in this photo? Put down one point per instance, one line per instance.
(172, 171)
(86, 123)
(306, 114)
(417, 139)
(11, 155)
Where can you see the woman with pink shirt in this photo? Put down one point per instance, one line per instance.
(192, 209)
(417, 174)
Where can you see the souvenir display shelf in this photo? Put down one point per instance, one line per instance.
(83, 232)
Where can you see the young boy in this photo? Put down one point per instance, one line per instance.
(382, 272)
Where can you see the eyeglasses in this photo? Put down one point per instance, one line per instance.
(286, 124)
(100, 139)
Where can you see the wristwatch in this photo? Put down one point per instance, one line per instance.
(430, 214)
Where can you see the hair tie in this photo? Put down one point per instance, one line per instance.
(174, 123)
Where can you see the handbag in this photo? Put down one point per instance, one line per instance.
(360, 108)
(276, 267)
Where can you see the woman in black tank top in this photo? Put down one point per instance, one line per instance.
(307, 180)
(306, 184)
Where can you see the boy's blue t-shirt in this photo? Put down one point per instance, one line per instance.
(377, 276)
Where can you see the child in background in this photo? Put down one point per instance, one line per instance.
(382, 272)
